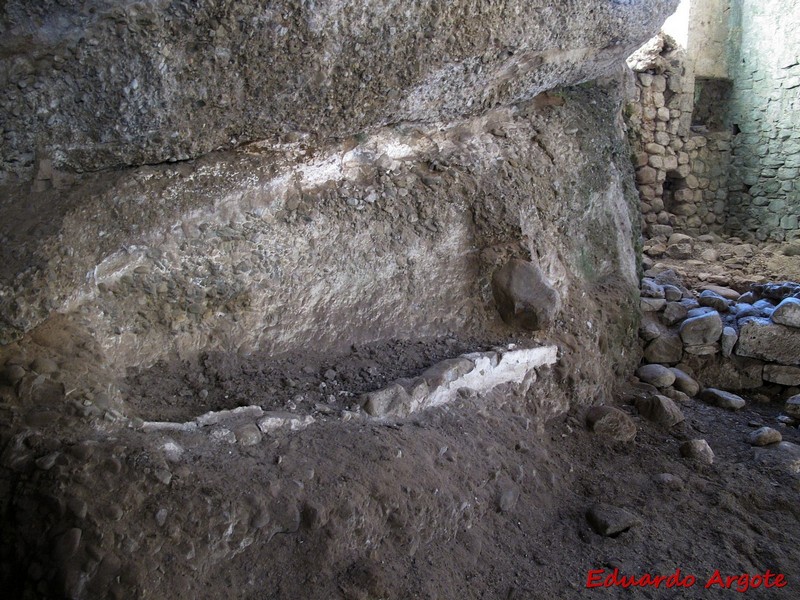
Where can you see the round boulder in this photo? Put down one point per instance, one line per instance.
(657, 375)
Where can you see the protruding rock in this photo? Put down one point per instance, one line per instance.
(698, 451)
(713, 300)
(763, 339)
(701, 330)
(649, 305)
(675, 312)
(657, 375)
(787, 313)
(728, 341)
(248, 435)
(792, 407)
(611, 422)
(685, 383)
(524, 297)
(764, 436)
(722, 399)
(611, 521)
(782, 374)
(660, 410)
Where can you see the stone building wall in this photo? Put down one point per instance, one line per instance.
(764, 109)
(681, 173)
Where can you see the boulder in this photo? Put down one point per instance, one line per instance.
(660, 409)
(702, 329)
(611, 422)
(763, 339)
(698, 451)
(787, 313)
(792, 407)
(764, 436)
(672, 293)
(524, 297)
(610, 521)
(685, 383)
(722, 399)
(713, 300)
(656, 375)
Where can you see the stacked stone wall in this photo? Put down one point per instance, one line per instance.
(681, 174)
(764, 200)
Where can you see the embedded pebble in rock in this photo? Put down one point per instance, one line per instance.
(698, 451)
(701, 330)
(669, 480)
(248, 435)
(610, 521)
(12, 374)
(657, 375)
(507, 498)
(765, 436)
(667, 349)
(44, 366)
(787, 313)
(728, 341)
(792, 407)
(67, 545)
(713, 300)
(685, 383)
(220, 434)
(709, 255)
(611, 422)
(660, 409)
(722, 399)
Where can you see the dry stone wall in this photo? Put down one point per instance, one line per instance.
(764, 200)
(681, 172)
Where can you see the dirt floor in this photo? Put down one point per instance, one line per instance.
(498, 508)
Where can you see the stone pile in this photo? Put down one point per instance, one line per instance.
(729, 340)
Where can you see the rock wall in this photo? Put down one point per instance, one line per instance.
(90, 85)
(764, 108)
(681, 171)
(170, 331)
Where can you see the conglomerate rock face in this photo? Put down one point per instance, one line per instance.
(89, 85)
(155, 439)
